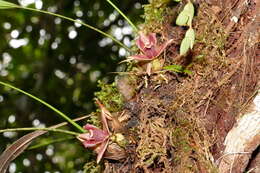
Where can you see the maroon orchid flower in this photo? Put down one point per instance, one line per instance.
(96, 138)
(149, 47)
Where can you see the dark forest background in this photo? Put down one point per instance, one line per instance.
(61, 63)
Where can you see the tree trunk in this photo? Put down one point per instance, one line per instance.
(206, 121)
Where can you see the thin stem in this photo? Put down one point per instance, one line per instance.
(50, 142)
(44, 129)
(120, 12)
(80, 22)
(46, 104)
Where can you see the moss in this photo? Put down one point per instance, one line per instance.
(110, 96)
(92, 167)
(154, 14)
(94, 119)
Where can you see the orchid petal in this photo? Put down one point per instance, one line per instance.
(100, 150)
(152, 40)
(90, 127)
(151, 53)
(162, 47)
(105, 114)
(94, 137)
(140, 58)
(146, 41)
(88, 143)
(140, 44)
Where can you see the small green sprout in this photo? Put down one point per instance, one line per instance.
(188, 41)
(186, 15)
(185, 19)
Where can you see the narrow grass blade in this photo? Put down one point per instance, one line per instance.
(7, 5)
(46, 104)
(42, 129)
(122, 14)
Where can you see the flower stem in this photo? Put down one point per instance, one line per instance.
(46, 104)
(80, 22)
(44, 129)
(50, 142)
(120, 12)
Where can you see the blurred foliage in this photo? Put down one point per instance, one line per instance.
(59, 62)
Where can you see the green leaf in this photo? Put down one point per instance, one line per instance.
(7, 5)
(187, 71)
(186, 15)
(185, 46)
(189, 8)
(182, 19)
(190, 34)
(188, 41)
(177, 0)
(177, 68)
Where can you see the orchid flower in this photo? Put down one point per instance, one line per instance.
(149, 47)
(96, 138)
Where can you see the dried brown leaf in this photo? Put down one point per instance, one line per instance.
(17, 148)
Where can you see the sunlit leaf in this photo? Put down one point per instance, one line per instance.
(177, 68)
(189, 9)
(7, 5)
(190, 34)
(187, 71)
(188, 41)
(186, 15)
(182, 19)
(185, 46)
(177, 0)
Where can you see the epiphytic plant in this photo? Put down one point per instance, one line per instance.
(185, 19)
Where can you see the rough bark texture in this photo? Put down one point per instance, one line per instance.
(242, 141)
(182, 123)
